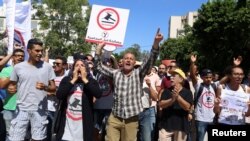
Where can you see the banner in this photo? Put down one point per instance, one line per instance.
(19, 29)
(22, 32)
(10, 20)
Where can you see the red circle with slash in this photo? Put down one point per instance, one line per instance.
(108, 19)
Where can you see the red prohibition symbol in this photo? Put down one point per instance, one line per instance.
(108, 19)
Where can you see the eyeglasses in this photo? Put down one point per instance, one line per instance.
(56, 63)
(17, 55)
(171, 67)
(238, 74)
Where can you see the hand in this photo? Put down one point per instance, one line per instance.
(237, 61)
(175, 94)
(193, 58)
(190, 117)
(148, 82)
(40, 86)
(112, 57)
(84, 74)
(17, 46)
(47, 49)
(158, 39)
(99, 48)
(75, 74)
(217, 101)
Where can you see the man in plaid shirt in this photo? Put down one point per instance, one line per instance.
(123, 121)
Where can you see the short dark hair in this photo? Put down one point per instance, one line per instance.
(17, 50)
(86, 57)
(78, 55)
(34, 41)
(64, 60)
(231, 69)
(205, 72)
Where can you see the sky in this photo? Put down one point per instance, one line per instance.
(145, 16)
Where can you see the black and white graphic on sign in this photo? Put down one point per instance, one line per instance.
(108, 19)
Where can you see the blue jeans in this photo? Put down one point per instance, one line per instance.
(147, 120)
(101, 118)
(8, 115)
(201, 129)
(51, 117)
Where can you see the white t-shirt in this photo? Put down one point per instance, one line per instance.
(155, 81)
(52, 100)
(205, 104)
(230, 114)
(73, 130)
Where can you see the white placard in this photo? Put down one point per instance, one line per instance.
(109, 48)
(234, 99)
(233, 106)
(107, 24)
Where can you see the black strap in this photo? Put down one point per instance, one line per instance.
(198, 94)
(1, 105)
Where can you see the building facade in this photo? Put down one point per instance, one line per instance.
(177, 23)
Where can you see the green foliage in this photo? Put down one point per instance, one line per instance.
(179, 49)
(135, 49)
(65, 26)
(222, 32)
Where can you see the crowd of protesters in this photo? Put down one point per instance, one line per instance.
(97, 98)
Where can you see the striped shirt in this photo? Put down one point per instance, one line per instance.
(128, 89)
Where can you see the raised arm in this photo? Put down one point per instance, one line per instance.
(217, 101)
(114, 61)
(236, 62)
(153, 55)
(157, 40)
(153, 93)
(193, 69)
(4, 61)
(46, 56)
(98, 63)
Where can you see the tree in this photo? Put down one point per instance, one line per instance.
(3, 43)
(222, 32)
(64, 24)
(135, 49)
(179, 49)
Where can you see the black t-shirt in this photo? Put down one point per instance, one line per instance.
(1, 105)
(174, 118)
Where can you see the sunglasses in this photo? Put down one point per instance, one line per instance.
(56, 63)
(17, 55)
